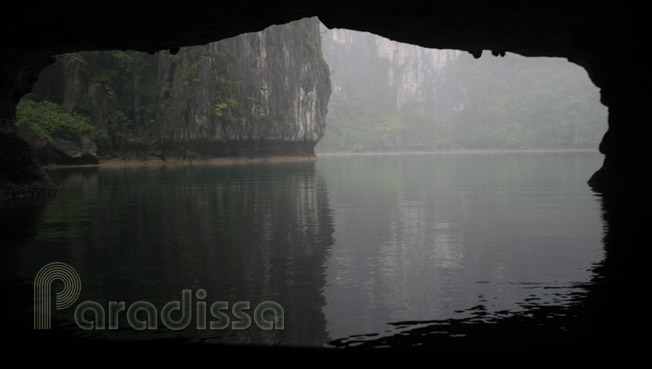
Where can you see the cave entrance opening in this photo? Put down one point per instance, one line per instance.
(385, 96)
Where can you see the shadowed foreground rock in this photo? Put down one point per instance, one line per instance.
(21, 175)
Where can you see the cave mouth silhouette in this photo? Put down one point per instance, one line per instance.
(602, 38)
(599, 38)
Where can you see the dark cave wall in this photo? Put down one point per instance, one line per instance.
(20, 173)
(599, 37)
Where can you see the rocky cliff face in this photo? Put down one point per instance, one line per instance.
(381, 91)
(408, 72)
(257, 94)
(389, 96)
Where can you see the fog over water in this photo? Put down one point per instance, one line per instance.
(389, 96)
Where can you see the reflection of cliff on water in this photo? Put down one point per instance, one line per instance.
(241, 232)
(603, 314)
(266, 232)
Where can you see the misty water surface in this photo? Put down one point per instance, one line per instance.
(347, 245)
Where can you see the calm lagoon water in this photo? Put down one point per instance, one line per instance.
(354, 248)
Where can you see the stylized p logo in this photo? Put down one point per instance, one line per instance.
(43, 291)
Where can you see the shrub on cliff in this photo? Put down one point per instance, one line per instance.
(49, 120)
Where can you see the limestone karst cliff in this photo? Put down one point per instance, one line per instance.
(402, 72)
(390, 96)
(257, 94)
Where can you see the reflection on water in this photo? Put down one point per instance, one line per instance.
(242, 233)
(456, 237)
(360, 251)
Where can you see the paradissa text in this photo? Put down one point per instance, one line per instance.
(143, 315)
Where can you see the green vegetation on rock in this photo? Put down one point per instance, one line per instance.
(47, 120)
(202, 99)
